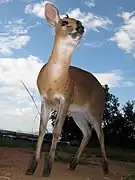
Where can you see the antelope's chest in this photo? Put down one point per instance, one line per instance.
(56, 71)
(58, 80)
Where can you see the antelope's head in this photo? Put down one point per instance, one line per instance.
(67, 29)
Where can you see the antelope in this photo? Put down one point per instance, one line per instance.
(68, 90)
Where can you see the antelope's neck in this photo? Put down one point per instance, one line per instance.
(55, 74)
(61, 55)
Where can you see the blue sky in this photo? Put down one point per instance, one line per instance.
(107, 50)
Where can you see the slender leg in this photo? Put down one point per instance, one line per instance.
(82, 123)
(80, 150)
(44, 117)
(56, 133)
(100, 135)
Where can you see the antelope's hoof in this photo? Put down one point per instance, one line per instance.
(105, 167)
(72, 166)
(29, 172)
(47, 169)
(32, 168)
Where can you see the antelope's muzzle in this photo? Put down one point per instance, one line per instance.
(79, 28)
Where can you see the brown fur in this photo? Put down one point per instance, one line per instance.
(86, 88)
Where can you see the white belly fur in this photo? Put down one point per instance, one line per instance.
(80, 116)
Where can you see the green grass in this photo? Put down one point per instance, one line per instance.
(16, 144)
(112, 153)
(65, 153)
(130, 177)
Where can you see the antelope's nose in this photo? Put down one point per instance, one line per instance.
(78, 23)
(79, 27)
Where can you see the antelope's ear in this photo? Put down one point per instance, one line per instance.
(51, 14)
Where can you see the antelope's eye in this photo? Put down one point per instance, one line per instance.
(64, 23)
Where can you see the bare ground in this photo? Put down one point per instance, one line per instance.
(14, 162)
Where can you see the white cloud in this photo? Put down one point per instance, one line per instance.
(112, 79)
(94, 44)
(37, 9)
(126, 15)
(5, 1)
(89, 20)
(13, 35)
(13, 70)
(18, 118)
(128, 84)
(18, 110)
(89, 3)
(125, 36)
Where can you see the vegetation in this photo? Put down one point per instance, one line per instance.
(130, 177)
(64, 153)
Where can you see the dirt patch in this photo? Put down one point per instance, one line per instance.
(14, 162)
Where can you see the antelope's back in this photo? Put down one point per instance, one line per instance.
(87, 89)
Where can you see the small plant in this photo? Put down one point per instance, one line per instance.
(130, 177)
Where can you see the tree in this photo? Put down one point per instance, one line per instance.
(129, 113)
(111, 113)
(119, 126)
(70, 130)
(128, 135)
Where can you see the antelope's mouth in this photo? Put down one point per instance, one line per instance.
(77, 33)
(80, 29)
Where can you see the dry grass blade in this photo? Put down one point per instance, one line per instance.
(30, 96)
(4, 177)
(32, 100)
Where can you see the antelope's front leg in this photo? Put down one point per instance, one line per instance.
(44, 117)
(56, 133)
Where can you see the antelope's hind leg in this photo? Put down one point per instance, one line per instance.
(82, 123)
(100, 135)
